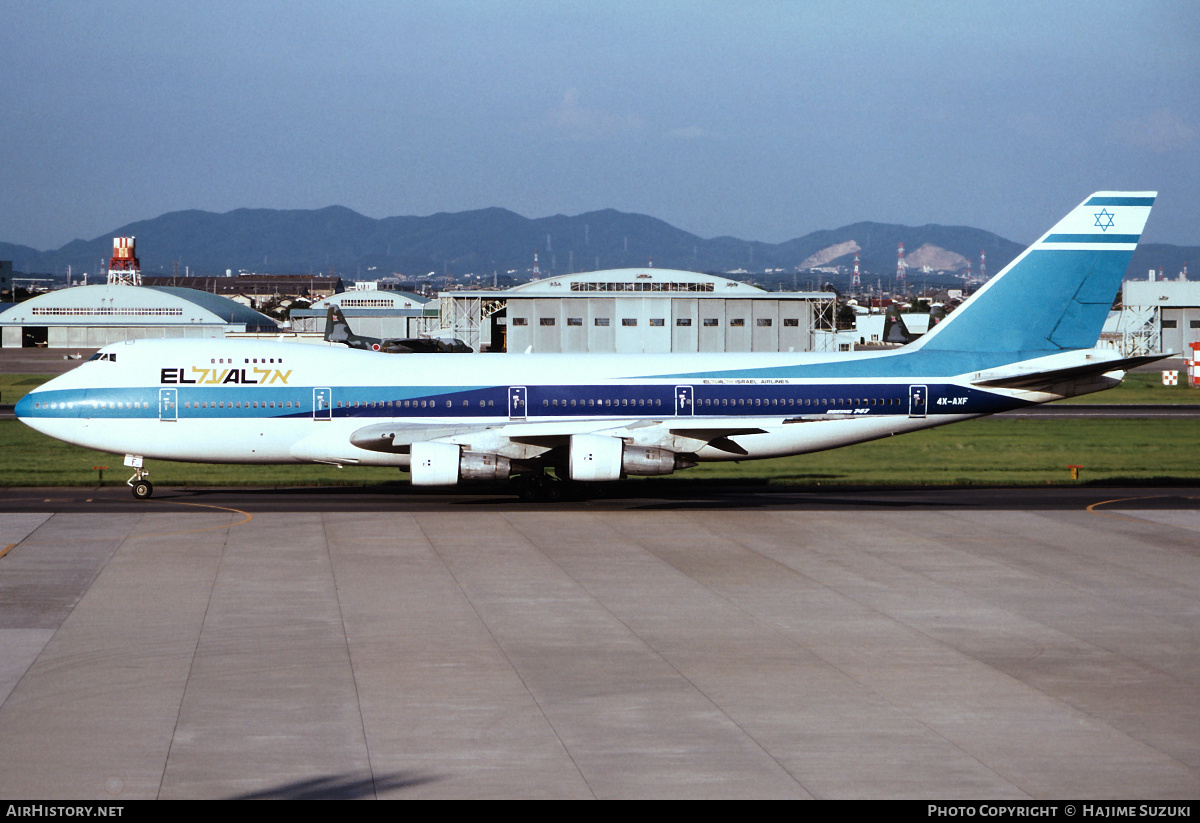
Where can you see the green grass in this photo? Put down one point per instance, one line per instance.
(990, 451)
(15, 386)
(996, 451)
(1143, 388)
(33, 459)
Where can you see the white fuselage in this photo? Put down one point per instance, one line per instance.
(267, 402)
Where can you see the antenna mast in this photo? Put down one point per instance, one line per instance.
(124, 269)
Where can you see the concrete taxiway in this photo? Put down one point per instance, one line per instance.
(919, 645)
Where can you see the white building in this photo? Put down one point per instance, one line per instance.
(638, 311)
(1167, 313)
(94, 316)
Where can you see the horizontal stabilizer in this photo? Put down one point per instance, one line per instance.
(1030, 380)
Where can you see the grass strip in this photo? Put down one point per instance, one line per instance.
(989, 451)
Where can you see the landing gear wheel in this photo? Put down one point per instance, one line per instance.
(526, 486)
(142, 488)
(542, 487)
(554, 490)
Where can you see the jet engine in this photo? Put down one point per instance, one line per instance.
(594, 457)
(646, 460)
(445, 464)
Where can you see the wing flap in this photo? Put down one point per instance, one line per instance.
(398, 437)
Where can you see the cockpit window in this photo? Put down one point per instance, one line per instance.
(104, 355)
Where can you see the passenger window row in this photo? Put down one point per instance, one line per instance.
(807, 401)
(611, 401)
(406, 404)
(241, 404)
(221, 361)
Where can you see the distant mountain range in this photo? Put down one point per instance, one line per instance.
(497, 240)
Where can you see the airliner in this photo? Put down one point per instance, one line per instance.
(1027, 336)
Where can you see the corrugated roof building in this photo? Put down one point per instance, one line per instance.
(372, 312)
(638, 310)
(94, 316)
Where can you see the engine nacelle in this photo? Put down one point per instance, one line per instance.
(594, 457)
(445, 464)
(435, 464)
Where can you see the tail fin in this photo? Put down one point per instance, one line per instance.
(1056, 295)
(894, 328)
(337, 330)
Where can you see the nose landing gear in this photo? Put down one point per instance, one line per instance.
(142, 488)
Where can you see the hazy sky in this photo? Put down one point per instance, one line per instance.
(763, 120)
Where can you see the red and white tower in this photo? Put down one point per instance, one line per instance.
(124, 269)
(537, 275)
(982, 265)
(901, 268)
(856, 281)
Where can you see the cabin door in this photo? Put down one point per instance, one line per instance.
(917, 399)
(684, 404)
(322, 404)
(168, 404)
(516, 403)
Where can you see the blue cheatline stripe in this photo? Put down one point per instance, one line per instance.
(548, 402)
(1092, 238)
(1121, 201)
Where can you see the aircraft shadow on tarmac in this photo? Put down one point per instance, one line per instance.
(691, 495)
(642, 495)
(340, 787)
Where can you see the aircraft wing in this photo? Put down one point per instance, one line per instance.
(399, 437)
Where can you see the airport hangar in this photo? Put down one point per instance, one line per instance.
(634, 311)
(617, 311)
(94, 316)
(1170, 308)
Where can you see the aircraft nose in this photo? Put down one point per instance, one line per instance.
(24, 407)
(28, 406)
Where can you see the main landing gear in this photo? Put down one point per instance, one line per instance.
(545, 487)
(142, 488)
